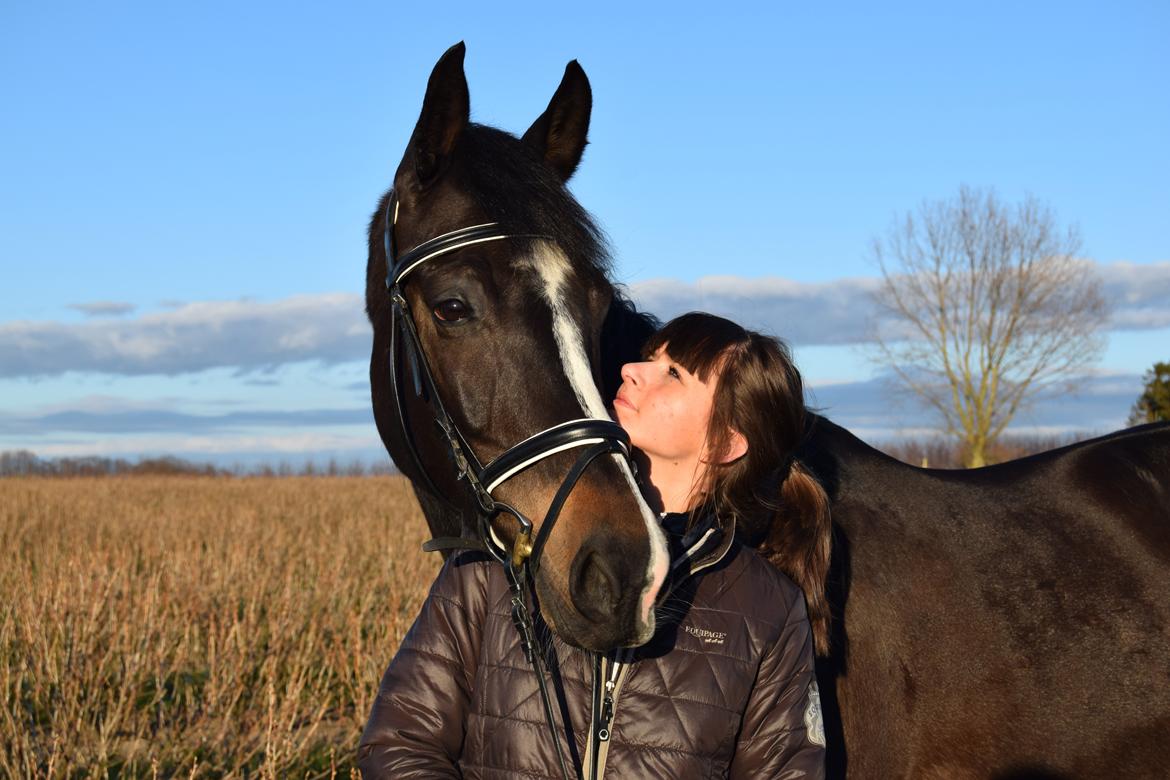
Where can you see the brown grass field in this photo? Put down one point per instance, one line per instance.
(204, 626)
(197, 626)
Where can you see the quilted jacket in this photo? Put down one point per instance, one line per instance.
(725, 689)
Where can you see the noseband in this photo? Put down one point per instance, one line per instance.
(597, 436)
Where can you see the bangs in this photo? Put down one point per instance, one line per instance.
(697, 341)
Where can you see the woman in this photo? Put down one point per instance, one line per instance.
(726, 686)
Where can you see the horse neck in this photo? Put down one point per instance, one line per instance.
(843, 463)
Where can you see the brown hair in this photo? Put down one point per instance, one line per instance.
(759, 393)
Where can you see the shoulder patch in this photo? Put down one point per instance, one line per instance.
(814, 724)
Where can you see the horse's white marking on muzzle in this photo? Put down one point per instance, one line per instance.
(553, 268)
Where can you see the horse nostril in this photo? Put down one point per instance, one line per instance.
(593, 587)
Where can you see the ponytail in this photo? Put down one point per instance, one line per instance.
(798, 543)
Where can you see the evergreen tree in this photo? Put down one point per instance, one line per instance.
(1153, 404)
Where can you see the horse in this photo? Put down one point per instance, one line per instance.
(502, 346)
(1004, 622)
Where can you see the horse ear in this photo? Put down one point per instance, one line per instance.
(559, 134)
(445, 112)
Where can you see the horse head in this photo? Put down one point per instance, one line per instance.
(510, 330)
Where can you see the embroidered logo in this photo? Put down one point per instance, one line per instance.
(708, 637)
(814, 724)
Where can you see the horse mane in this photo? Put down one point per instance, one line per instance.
(623, 333)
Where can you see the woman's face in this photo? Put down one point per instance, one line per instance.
(665, 408)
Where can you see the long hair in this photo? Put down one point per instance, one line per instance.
(775, 502)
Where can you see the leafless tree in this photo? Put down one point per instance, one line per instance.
(984, 307)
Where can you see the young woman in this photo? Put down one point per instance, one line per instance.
(726, 686)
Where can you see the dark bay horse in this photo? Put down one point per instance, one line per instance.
(1005, 622)
(508, 332)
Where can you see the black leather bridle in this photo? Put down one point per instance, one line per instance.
(597, 436)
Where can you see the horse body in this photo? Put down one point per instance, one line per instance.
(1010, 621)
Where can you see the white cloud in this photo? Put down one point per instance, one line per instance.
(195, 336)
(331, 328)
(842, 311)
(98, 404)
(272, 444)
(103, 308)
(836, 312)
(135, 418)
(877, 411)
(1140, 294)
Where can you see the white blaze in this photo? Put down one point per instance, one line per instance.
(553, 268)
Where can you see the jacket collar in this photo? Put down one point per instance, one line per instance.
(704, 545)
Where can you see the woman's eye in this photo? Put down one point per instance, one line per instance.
(673, 371)
(451, 310)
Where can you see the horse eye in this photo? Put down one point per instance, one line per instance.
(452, 310)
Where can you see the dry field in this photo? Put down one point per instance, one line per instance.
(200, 627)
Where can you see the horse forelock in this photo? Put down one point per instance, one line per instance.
(513, 186)
(509, 183)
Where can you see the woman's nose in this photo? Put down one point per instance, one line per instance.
(630, 373)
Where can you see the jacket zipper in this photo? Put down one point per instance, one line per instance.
(607, 683)
(613, 673)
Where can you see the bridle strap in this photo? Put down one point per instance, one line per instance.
(448, 242)
(399, 404)
(465, 461)
(522, 620)
(598, 436)
(516, 459)
(601, 447)
(566, 436)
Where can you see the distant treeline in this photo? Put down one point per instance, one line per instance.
(940, 453)
(936, 453)
(23, 463)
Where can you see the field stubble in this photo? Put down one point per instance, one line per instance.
(200, 627)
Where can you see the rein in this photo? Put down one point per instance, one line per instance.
(596, 436)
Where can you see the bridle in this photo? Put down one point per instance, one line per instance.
(596, 436)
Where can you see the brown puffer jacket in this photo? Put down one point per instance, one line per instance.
(727, 691)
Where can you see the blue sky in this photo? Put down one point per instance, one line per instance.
(207, 171)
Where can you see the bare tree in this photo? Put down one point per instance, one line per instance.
(983, 308)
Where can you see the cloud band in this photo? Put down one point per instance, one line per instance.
(332, 328)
